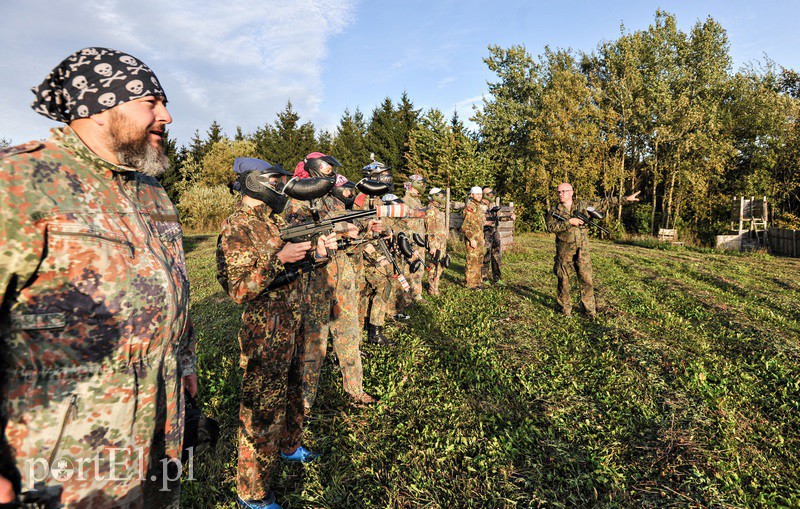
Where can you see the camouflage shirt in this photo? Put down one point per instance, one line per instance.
(95, 318)
(474, 220)
(574, 237)
(436, 228)
(413, 225)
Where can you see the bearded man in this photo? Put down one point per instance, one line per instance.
(98, 346)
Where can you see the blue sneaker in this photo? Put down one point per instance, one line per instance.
(301, 454)
(266, 503)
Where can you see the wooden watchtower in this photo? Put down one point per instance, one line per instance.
(750, 219)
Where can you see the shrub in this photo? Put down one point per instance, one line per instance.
(204, 208)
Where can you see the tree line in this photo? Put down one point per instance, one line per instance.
(658, 110)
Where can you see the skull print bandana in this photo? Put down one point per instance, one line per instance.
(93, 80)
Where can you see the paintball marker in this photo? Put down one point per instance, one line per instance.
(418, 240)
(41, 497)
(404, 246)
(438, 259)
(588, 218)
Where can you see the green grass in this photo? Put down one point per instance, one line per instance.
(684, 393)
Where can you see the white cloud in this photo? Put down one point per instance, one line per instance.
(235, 62)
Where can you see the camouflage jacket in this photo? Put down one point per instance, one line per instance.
(246, 255)
(474, 220)
(95, 319)
(247, 263)
(413, 225)
(574, 237)
(436, 228)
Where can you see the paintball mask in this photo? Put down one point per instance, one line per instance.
(266, 186)
(313, 165)
(437, 195)
(378, 171)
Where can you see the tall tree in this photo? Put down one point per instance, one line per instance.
(382, 136)
(287, 141)
(349, 145)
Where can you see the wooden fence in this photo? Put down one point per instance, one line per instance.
(783, 242)
(505, 229)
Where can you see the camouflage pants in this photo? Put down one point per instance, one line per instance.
(378, 294)
(434, 274)
(271, 412)
(578, 260)
(415, 279)
(474, 263)
(361, 287)
(338, 317)
(493, 256)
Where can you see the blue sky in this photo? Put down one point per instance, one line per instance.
(238, 62)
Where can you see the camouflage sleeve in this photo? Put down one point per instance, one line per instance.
(609, 203)
(555, 225)
(250, 257)
(21, 251)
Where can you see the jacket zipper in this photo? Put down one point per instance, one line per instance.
(72, 410)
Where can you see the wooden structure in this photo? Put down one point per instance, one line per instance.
(783, 242)
(749, 222)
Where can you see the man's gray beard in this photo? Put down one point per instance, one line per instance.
(143, 157)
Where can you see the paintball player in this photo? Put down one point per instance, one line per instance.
(378, 287)
(97, 343)
(436, 231)
(414, 189)
(250, 254)
(472, 227)
(491, 238)
(331, 295)
(572, 245)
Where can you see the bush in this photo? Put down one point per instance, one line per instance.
(637, 218)
(204, 208)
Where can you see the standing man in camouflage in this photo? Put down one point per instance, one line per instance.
(472, 227)
(378, 273)
(491, 238)
(414, 188)
(250, 255)
(98, 346)
(436, 230)
(572, 246)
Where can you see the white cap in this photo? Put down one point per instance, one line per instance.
(476, 190)
(434, 190)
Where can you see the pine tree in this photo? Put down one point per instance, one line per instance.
(349, 145)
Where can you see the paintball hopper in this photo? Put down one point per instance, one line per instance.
(308, 189)
(414, 266)
(594, 213)
(373, 187)
(446, 261)
(404, 245)
(419, 240)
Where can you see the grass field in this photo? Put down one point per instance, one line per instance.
(684, 393)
